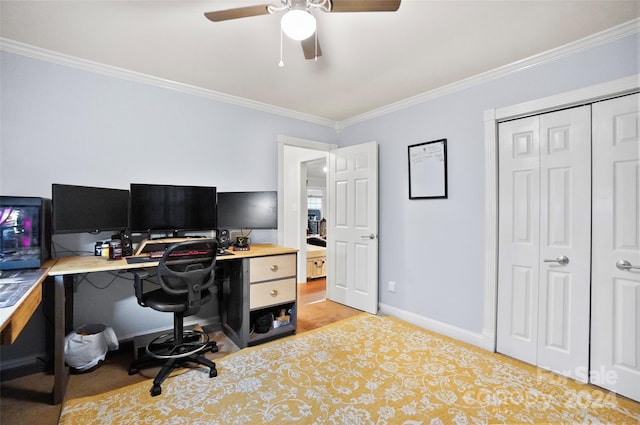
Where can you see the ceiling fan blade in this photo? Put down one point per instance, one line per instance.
(309, 47)
(240, 12)
(365, 5)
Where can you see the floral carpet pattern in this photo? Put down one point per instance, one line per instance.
(363, 370)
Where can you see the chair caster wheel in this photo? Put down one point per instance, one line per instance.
(133, 371)
(213, 373)
(214, 349)
(156, 390)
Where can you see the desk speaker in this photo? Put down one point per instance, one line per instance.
(127, 244)
(224, 240)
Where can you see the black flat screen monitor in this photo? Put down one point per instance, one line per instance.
(169, 208)
(248, 210)
(79, 209)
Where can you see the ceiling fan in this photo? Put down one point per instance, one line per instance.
(298, 22)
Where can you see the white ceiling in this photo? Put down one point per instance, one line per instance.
(370, 60)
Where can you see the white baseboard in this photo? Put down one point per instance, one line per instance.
(489, 340)
(436, 326)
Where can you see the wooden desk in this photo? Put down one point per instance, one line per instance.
(13, 319)
(65, 268)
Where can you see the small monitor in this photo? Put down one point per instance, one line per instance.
(170, 208)
(248, 210)
(79, 209)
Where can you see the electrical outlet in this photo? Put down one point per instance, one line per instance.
(391, 286)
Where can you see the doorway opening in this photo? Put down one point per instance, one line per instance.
(301, 165)
(352, 256)
(316, 230)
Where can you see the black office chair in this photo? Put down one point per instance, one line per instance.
(186, 279)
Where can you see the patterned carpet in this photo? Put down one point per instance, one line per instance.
(362, 370)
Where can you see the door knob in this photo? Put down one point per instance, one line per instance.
(369, 236)
(561, 259)
(625, 265)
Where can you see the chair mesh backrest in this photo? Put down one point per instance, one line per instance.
(187, 268)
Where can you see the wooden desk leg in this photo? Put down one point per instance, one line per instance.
(60, 369)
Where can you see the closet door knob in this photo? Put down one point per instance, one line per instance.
(561, 259)
(625, 265)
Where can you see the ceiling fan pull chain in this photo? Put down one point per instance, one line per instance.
(281, 63)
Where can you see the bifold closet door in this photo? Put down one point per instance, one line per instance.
(615, 332)
(544, 240)
(519, 238)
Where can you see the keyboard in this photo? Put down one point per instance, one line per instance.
(155, 256)
(15, 283)
(141, 259)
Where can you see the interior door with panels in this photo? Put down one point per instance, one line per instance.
(565, 238)
(615, 332)
(518, 259)
(353, 227)
(544, 236)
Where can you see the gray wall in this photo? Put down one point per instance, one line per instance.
(434, 249)
(63, 125)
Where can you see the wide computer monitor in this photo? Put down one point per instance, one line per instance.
(79, 209)
(172, 209)
(248, 210)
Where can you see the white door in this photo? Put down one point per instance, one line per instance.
(544, 237)
(565, 232)
(615, 332)
(518, 239)
(352, 234)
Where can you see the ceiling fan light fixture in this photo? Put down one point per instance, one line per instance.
(298, 24)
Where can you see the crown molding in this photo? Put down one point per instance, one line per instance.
(23, 49)
(595, 40)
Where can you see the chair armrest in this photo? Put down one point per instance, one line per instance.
(139, 275)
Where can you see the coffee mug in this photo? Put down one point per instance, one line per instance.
(242, 241)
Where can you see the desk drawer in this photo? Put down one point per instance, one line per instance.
(272, 267)
(272, 293)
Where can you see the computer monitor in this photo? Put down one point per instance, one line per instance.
(248, 210)
(170, 208)
(79, 209)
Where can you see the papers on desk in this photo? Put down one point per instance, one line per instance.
(15, 283)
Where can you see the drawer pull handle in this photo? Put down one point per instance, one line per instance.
(274, 268)
(274, 293)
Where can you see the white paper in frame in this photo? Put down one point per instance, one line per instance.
(428, 170)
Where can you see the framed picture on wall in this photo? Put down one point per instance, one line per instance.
(428, 170)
